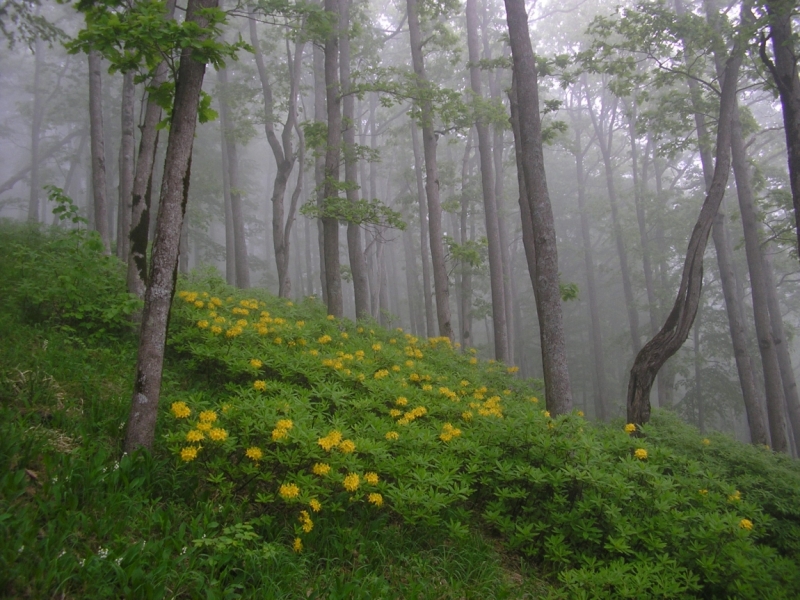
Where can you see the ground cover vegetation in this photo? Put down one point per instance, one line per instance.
(299, 455)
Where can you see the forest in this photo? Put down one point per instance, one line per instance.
(316, 299)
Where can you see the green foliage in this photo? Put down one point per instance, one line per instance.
(363, 212)
(65, 280)
(20, 21)
(276, 389)
(65, 208)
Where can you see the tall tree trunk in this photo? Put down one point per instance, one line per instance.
(230, 246)
(319, 163)
(36, 131)
(441, 284)
(161, 287)
(679, 322)
(487, 186)
(126, 167)
(358, 265)
(424, 237)
(604, 141)
(598, 351)
(332, 152)
(412, 282)
(784, 73)
(99, 191)
(465, 269)
(240, 265)
(548, 292)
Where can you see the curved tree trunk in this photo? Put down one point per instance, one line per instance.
(679, 322)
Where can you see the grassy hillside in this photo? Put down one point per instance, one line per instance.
(304, 457)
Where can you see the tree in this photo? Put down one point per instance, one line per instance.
(558, 391)
(97, 145)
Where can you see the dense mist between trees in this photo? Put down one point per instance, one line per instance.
(417, 185)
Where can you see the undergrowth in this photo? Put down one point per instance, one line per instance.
(303, 457)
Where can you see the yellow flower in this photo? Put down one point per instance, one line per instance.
(703, 492)
(218, 435)
(297, 546)
(392, 341)
(371, 478)
(546, 413)
(735, 496)
(410, 364)
(255, 363)
(260, 385)
(427, 387)
(321, 469)
(315, 505)
(208, 416)
(392, 435)
(279, 434)
(305, 519)
(376, 347)
(289, 491)
(512, 369)
(746, 524)
(375, 499)
(347, 447)
(395, 413)
(331, 318)
(195, 436)
(707, 442)
(324, 339)
(449, 432)
(180, 410)
(401, 401)
(630, 428)
(345, 335)
(289, 303)
(580, 413)
(640, 453)
(351, 482)
(473, 361)
(360, 330)
(466, 415)
(534, 399)
(216, 330)
(254, 453)
(199, 304)
(204, 426)
(395, 368)
(284, 424)
(202, 324)
(189, 453)
(330, 440)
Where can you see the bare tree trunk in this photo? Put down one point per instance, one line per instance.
(230, 245)
(319, 163)
(330, 225)
(598, 351)
(698, 366)
(412, 282)
(679, 322)
(487, 185)
(441, 284)
(36, 131)
(161, 287)
(548, 292)
(126, 167)
(358, 265)
(604, 141)
(784, 73)
(98, 149)
(241, 270)
(464, 295)
(423, 226)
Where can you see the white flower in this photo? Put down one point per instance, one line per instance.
(183, 551)
(102, 553)
(21, 548)
(118, 560)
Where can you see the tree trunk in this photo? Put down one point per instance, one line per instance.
(319, 163)
(161, 287)
(126, 167)
(358, 265)
(598, 351)
(240, 266)
(98, 149)
(230, 245)
(424, 238)
(784, 73)
(36, 132)
(465, 269)
(604, 141)
(331, 184)
(488, 188)
(698, 367)
(548, 293)
(679, 322)
(441, 284)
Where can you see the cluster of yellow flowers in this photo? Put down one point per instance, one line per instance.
(375, 498)
(180, 409)
(392, 435)
(415, 413)
(640, 453)
(324, 339)
(281, 430)
(630, 428)
(449, 432)
(334, 440)
(306, 523)
(448, 393)
(289, 491)
(260, 385)
(735, 496)
(381, 373)
(351, 482)
(254, 453)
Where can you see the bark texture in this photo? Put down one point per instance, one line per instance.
(558, 391)
(99, 191)
(161, 287)
(126, 166)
